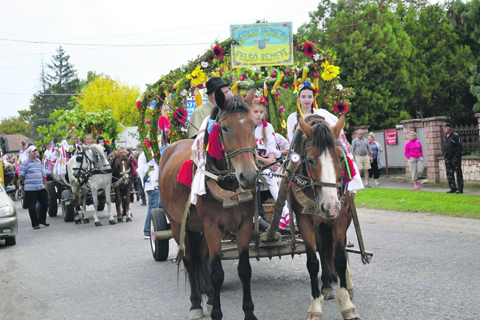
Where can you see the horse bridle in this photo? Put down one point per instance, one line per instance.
(313, 183)
(124, 175)
(84, 174)
(235, 153)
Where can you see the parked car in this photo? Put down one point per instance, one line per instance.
(8, 219)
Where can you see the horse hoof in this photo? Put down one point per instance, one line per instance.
(328, 293)
(78, 221)
(113, 222)
(98, 224)
(119, 220)
(350, 314)
(196, 314)
(86, 221)
(315, 316)
(129, 220)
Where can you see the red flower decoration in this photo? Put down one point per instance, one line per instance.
(217, 52)
(147, 121)
(181, 115)
(265, 123)
(340, 107)
(138, 104)
(107, 141)
(163, 123)
(147, 143)
(308, 49)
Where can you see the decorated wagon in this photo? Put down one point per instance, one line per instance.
(222, 153)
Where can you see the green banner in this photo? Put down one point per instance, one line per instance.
(262, 44)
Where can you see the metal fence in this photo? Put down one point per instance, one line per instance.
(469, 136)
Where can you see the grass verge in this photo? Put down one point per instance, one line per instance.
(453, 205)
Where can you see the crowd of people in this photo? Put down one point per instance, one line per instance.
(366, 153)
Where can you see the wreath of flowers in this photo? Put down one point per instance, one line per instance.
(314, 68)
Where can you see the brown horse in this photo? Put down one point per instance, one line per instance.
(325, 230)
(209, 221)
(121, 163)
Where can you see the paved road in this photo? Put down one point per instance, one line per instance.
(424, 267)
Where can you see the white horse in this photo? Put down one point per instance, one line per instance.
(89, 170)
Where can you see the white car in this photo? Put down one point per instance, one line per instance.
(8, 219)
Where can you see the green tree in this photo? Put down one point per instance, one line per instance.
(440, 62)
(56, 90)
(15, 125)
(468, 15)
(374, 60)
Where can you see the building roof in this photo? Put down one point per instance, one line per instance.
(15, 141)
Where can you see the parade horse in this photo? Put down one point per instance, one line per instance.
(324, 228)
(89, 170)
(123, 171)
(208, 220)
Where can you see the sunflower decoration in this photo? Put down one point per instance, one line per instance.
(197, 76)
(330, 71)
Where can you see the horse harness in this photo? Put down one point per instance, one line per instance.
(300, 182)
(124, 175)
(93, 167)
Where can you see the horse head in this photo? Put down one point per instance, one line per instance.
(322, 162)
(237, 135)
(121, 164)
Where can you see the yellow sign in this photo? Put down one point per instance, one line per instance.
(262, 44)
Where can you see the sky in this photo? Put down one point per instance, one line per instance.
(91, 32)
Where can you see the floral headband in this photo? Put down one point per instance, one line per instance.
(261, 100)
(304, 84)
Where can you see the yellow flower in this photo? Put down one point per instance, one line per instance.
(197, 76)
(284, 124)
(330, 71)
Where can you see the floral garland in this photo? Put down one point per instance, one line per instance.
(175, 88)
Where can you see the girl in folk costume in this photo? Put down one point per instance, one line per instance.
(267, 151)
(306, 105)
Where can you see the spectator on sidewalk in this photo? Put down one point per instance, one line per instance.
(31, 174)
(363, 155)
(376, 164)
(138, 185)
(453, 159)
(148, 171)
(414, 154)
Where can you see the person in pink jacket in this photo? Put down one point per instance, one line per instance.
(414, 154)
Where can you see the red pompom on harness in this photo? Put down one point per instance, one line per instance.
(214, 148)
(185, 174)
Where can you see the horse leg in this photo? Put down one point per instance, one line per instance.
(244, 268)
(308, 235)
(127, 203)
(197, 282)
(325, 251)
(118, 204)
(84, 205)
(95, 205)
(76, 199)
(347, 308)
(218, 275)
(108, 199)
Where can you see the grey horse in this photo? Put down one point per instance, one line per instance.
(89, 170)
